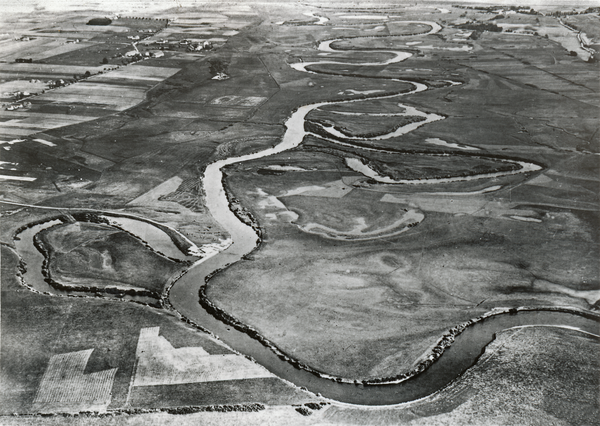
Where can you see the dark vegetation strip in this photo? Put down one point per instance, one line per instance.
(305, 409)
(241, 212)
(317, 131)
(300, 23)
(247, 408)
(405, 121)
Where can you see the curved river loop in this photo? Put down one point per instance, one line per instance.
(468, 339)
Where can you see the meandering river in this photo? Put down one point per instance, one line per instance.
(468, 345)
(184, 294)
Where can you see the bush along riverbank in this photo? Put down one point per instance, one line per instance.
(225, 408)
(241, 212)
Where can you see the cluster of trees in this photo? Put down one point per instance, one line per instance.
(574, 12)
(90, 217)
(217, 66)
(77, 77)
(248, 407)
(492, 9)
(304, 411)
(99, 21)
(480, 26)
(145, 19)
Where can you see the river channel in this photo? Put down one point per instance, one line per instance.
(468, 346)
(184, 294)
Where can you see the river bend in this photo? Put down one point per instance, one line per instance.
(184, 294)
(456, 359)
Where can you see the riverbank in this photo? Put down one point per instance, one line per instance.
(38, 256)
(420, 364)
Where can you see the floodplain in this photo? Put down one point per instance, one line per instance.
(247, 213)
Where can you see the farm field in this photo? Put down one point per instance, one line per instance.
(110, 330)
(266, 213)
(88, 100)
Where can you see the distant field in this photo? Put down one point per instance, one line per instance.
(12, 49)
(141, 71)
(86, 100)
(46, 50)
(589, 24)
(27, 70)
(564, 36)
(154, 24)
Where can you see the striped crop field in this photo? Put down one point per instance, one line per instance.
(97, 96)
(43, 49)
(65, 387)
(133, 72)
(23, 122)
